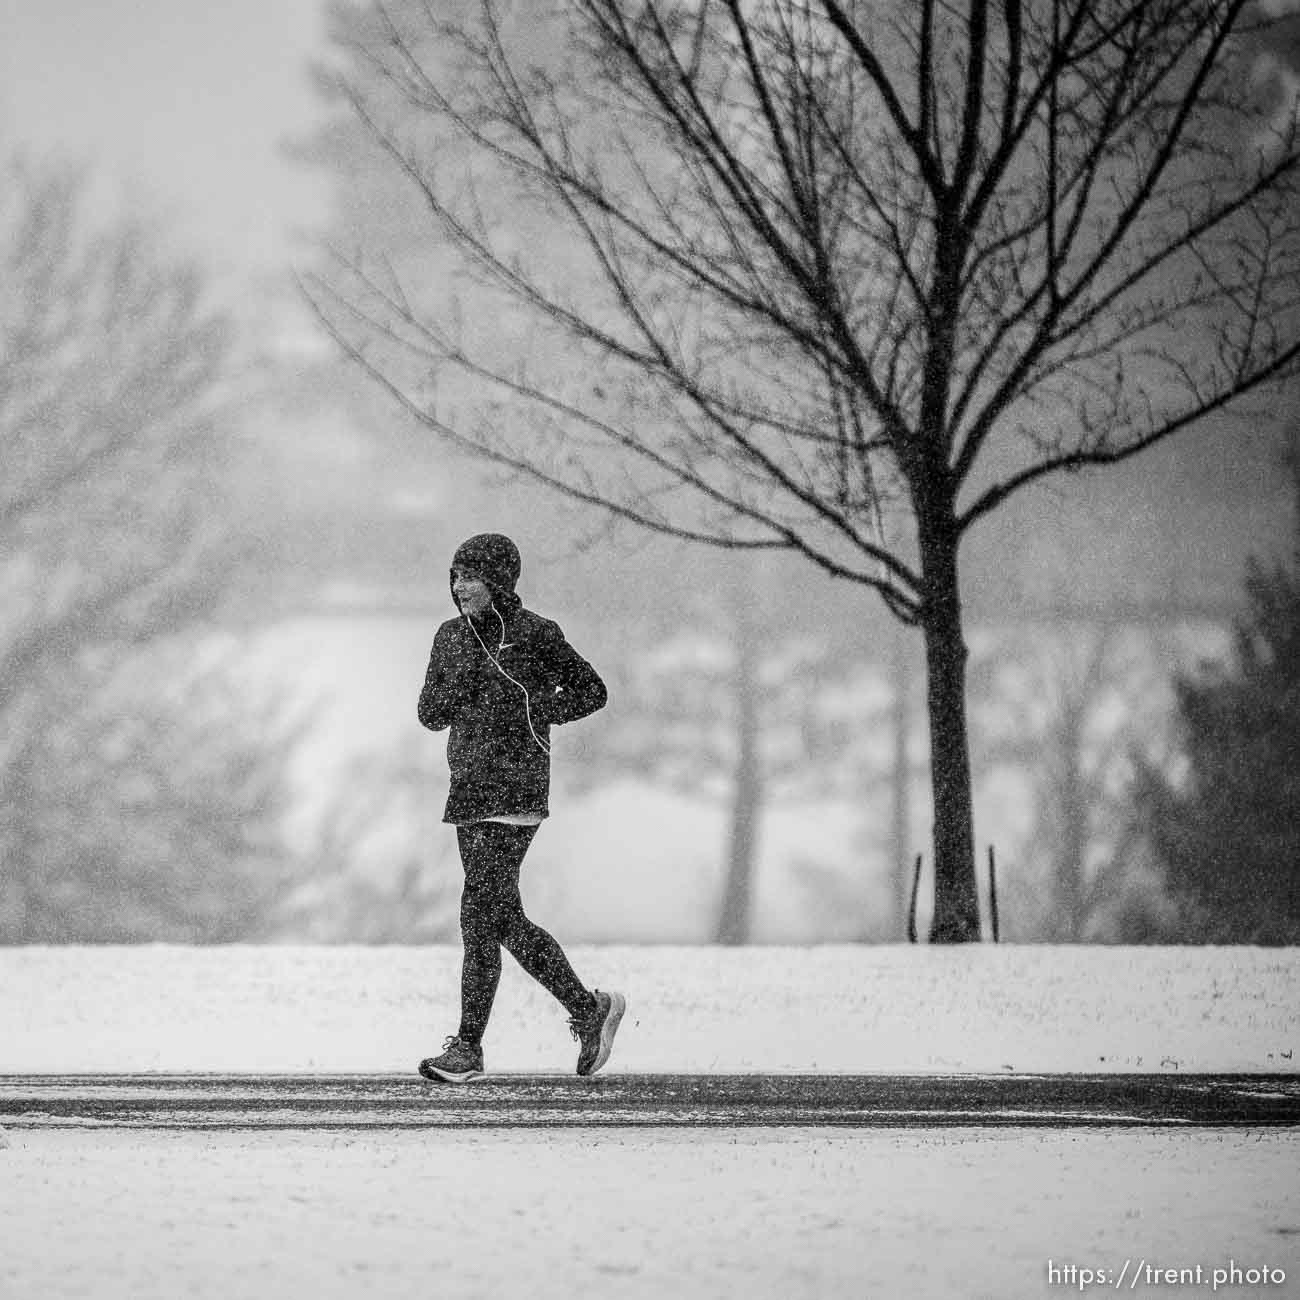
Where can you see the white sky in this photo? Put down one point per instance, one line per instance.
(182, 104)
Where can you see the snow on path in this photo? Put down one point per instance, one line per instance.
(898, 1009)
(767, 1215)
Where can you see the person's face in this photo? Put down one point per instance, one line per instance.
(472, 594)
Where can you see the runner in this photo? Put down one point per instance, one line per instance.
(500, 676)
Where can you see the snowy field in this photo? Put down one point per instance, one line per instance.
(657, 1212)
(894, 1009)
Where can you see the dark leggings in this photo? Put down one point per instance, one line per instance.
(492, 917)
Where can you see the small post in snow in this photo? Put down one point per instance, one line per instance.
(911, 907)
(993, 894)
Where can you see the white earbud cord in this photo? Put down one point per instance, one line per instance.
(528, 715)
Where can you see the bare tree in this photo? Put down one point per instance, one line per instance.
(727, 707)
(115, 379)
(831, 276)
(111, 373)
(1066, 715)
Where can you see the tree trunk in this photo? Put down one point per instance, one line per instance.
(1073, 842)
(956, 899)
(901, 777)
(735, 912)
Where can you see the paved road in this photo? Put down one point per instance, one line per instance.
(199, 1101)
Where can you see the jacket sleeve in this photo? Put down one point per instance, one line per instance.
(442, 695)
(573, 689)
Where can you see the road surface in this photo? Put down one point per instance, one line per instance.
(209, 1101)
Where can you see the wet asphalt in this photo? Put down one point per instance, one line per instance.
(614, 1100)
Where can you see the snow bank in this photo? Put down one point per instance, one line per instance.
(842, 1009)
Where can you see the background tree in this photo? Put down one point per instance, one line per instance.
(1226, 830)
(125, 803)
(725, 704)
(147, 806)
(832, 278)
(1060, 718)
(377, 873)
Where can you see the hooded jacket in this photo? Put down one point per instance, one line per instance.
(498, 767)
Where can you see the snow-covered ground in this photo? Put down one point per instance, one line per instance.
(682, 1213)
(845, 1008)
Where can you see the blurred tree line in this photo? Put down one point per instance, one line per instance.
(1225, 826)
(140, 783)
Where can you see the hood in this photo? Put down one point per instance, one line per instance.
(494, 558)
